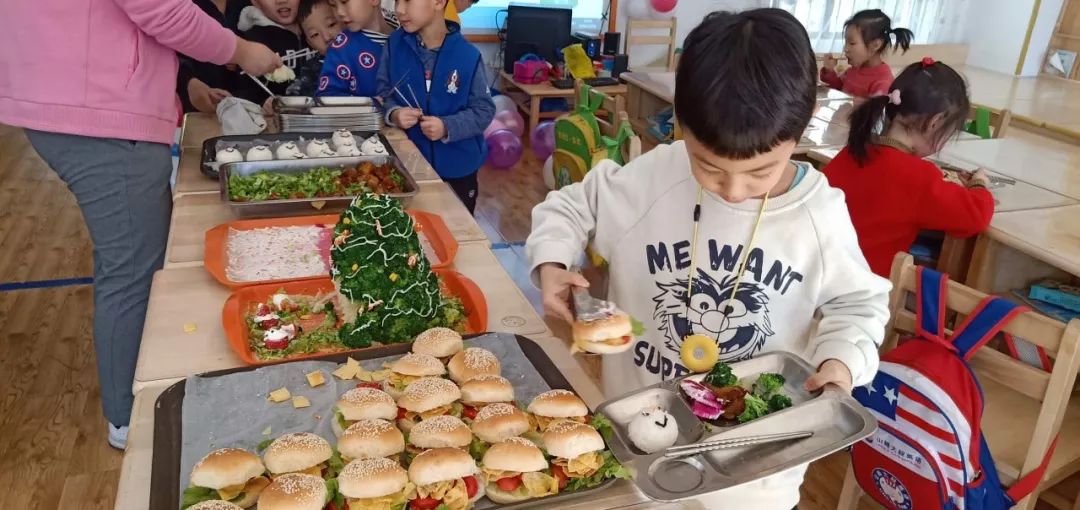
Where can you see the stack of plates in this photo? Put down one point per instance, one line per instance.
(329, 114)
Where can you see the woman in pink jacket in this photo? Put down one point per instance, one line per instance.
(93, 82)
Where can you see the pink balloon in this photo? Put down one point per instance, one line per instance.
(504, 149)
(663, 5)
(512, 121)
(542, 140)
(493, 127)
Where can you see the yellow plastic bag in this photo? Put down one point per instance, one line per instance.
(579, 64)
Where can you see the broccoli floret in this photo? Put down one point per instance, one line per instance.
(755, 408)
(721, 375)
(768, 384)
(779, 401)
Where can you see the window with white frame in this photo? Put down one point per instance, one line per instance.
(489, 15)
(932, 21)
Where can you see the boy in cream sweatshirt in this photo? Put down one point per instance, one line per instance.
(745, 92)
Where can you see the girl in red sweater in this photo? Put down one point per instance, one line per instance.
(892, 193)
(866, 37)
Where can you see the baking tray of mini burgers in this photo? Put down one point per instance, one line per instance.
(168, 434)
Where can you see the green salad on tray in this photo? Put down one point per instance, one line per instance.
(322, 182)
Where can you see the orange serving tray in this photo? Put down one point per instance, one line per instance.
(215, 257)
(241, 300)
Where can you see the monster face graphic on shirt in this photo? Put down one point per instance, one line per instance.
(740, 326)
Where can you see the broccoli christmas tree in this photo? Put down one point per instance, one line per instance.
(388, 292)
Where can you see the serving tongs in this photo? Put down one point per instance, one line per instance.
(733, 442)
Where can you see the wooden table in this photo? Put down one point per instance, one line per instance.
(1050, 235)
(195, 213)
(821, 134)
(197, 127)
(537, 92)
(190, 296)
(1037, 160)
(133, 490)
(647, 94)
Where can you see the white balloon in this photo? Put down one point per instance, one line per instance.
(503, 102)
(549, 172)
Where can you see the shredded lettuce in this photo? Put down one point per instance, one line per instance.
(478, 448)
(263, 445)
(195, 495)
(610, 469)
(602, 425)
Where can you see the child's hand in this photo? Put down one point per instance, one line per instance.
(433, 128)
(976, 178)
(203, 97)
(555, 284)
(268, 106)
(830, 62)
(832, 371)
(254, 58)
(405, 118)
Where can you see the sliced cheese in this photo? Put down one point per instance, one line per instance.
(231, 492)
(300, 402)
(543, 422)
(453, 494)
(345, 372)
(494, 475)
(539, 484)
(315, 379)
(364, 375)
(189, 328)
(582, 466)
(379, 375)
(280, 395)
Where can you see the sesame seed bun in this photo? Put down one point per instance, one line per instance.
(616, 326)
(495, 423)
(568, 439)
(472, 362)
(215, 504)
(487, 389)
(440, 465)
(226, 467)
(367, 403)
(294, 491)
(418, 365)
(366, 439)
(372, 478)
(515, 454)
(558, 404)
(428, 393)
(296, 452)
(438, 342)
(440, 432)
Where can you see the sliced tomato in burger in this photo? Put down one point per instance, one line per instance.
(509, 484)
(560, 475)
(401, 413)
(468, 412)
(375, 385)
(424, 504)
(471, 486)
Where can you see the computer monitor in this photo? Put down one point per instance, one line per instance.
(543, 31)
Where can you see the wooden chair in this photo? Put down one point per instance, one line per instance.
(1025, 408)
(998, 122)
(634, 27)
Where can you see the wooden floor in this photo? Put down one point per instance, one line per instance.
(53, 453)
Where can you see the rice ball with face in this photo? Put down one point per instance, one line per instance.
(228, 155)
(259, 153)
(289, 150)
(319, 149)
(341, 136)
(653, 430)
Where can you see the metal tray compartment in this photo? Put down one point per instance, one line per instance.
(304, 206)
(836, 419)
(210, 146)
(168, 434)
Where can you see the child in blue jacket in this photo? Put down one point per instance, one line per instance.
(352, 60)
(430, 59)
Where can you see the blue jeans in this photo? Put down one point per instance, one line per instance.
(123, 191)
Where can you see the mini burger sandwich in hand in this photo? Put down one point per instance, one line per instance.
(473, 362)
(483, 390)
(496, 423)
(295, 491)
(374, 484)
(514, 470)
(425, 398)
(557, 405)
(366, 439)
(439, 432)
(444, 476)
(409, 368)
(609, 335)
(439, 342)
(299, 452)
(228, 474)
(362, 404)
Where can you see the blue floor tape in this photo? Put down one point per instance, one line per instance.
(502, 246)
(46, 284)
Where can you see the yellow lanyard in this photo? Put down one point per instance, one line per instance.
(742, 262)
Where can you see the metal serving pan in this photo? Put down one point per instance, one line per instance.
(836, 419)
(302, 206)
(168, 434)
(210, 146)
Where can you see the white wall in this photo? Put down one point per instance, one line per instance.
(996, 30)
(688, 12)
(1040, 36)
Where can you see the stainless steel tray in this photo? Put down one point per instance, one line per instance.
(210, 146)
(302, 206)
(836, 419)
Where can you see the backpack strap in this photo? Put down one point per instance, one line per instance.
(985, 321)
(930, 290)
(1029, 482)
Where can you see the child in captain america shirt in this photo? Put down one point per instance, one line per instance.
(352, 60)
